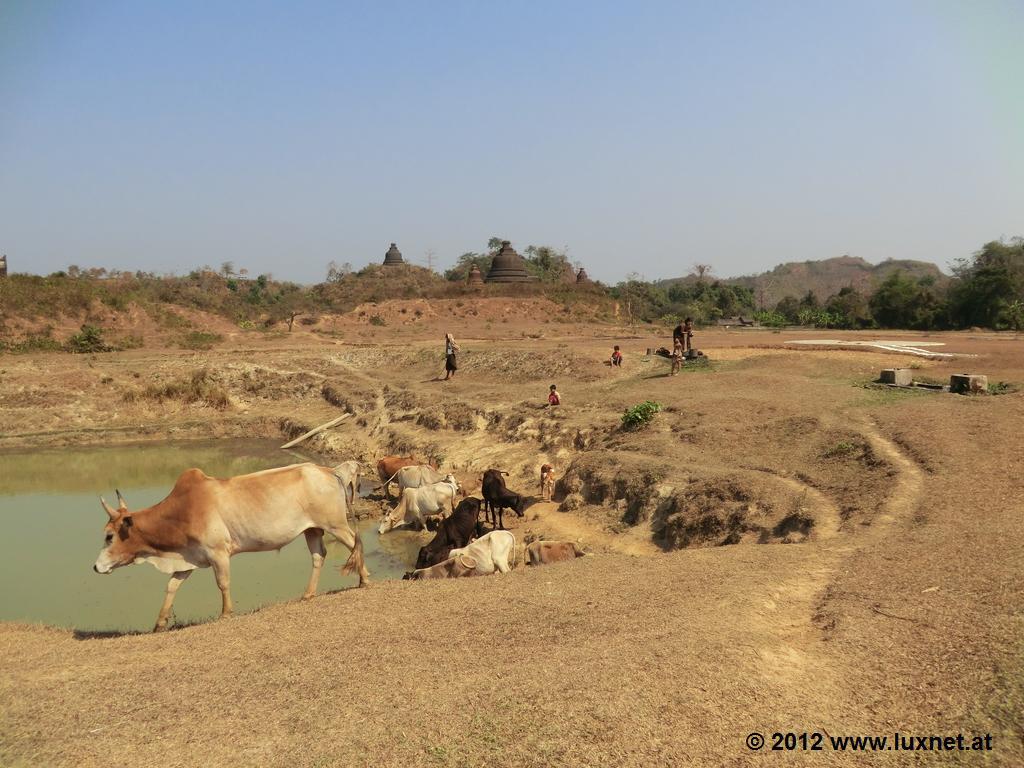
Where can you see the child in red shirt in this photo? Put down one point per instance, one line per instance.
(553, 398)
(616, 356)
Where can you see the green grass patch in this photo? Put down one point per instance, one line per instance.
(640, 415)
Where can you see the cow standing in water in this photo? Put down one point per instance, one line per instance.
(204, 521)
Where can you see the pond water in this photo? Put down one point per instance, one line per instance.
(53, 532)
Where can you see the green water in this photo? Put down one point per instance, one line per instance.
(53, 532)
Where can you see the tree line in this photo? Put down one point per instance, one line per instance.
(987, 290)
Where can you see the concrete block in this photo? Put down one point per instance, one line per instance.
(968, 384)
(901, 377)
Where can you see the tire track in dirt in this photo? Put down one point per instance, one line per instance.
(909, 484)
(797, 653)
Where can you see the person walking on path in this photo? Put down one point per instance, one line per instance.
(450, 348)
(547, 482)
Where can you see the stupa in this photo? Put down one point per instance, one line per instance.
(393, 257)
(581, 276)
(508, 266)
(476, 277)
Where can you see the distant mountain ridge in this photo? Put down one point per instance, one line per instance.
(824, 277)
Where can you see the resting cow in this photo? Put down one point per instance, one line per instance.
(495, 551)
(417, 504)
(498, 498)
(543, 552)
(452, 568)
(204, 521)
(454, 531)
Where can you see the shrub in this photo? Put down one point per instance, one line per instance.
(200, 387)
(199, 340)
(377, 320)
(37, 343)
(131, 341)
(640, 415)
(89, 339)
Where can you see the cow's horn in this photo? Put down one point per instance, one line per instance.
(467, 562)
(121, 503)
(108, 508)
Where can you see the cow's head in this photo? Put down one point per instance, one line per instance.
(388, 523)
(450, 478)
(520, 506)
(120, 547)
(462, 565)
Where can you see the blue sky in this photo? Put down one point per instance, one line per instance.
(644, 137)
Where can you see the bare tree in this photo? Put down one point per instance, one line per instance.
(701, 271)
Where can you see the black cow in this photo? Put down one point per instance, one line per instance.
(454, 531)
(498, 498)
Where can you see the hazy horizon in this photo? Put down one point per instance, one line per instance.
(643, 139)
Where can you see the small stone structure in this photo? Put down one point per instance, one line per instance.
(581, 276)
(968, 384)
(3, 266)
(393, 257)
(900, 377)
(475, 277)
(508, 266)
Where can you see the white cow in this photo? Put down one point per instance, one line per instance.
(495, 550)
(417, 504)
(348, 473)
(417, 477)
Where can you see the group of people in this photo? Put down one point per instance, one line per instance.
(682, 343)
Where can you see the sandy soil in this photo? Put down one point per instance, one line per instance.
(896, 606)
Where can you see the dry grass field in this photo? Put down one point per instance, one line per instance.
(786, 547)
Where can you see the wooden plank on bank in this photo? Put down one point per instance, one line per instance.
(314, 430)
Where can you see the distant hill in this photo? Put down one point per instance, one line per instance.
(824, 277)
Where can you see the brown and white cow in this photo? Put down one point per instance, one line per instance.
(543, 552)
(204, 521)
(452, 568)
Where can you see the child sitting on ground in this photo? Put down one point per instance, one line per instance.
(553, 398)
(547, 481)
(616, 356)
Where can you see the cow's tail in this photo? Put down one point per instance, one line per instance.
(355, 562)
